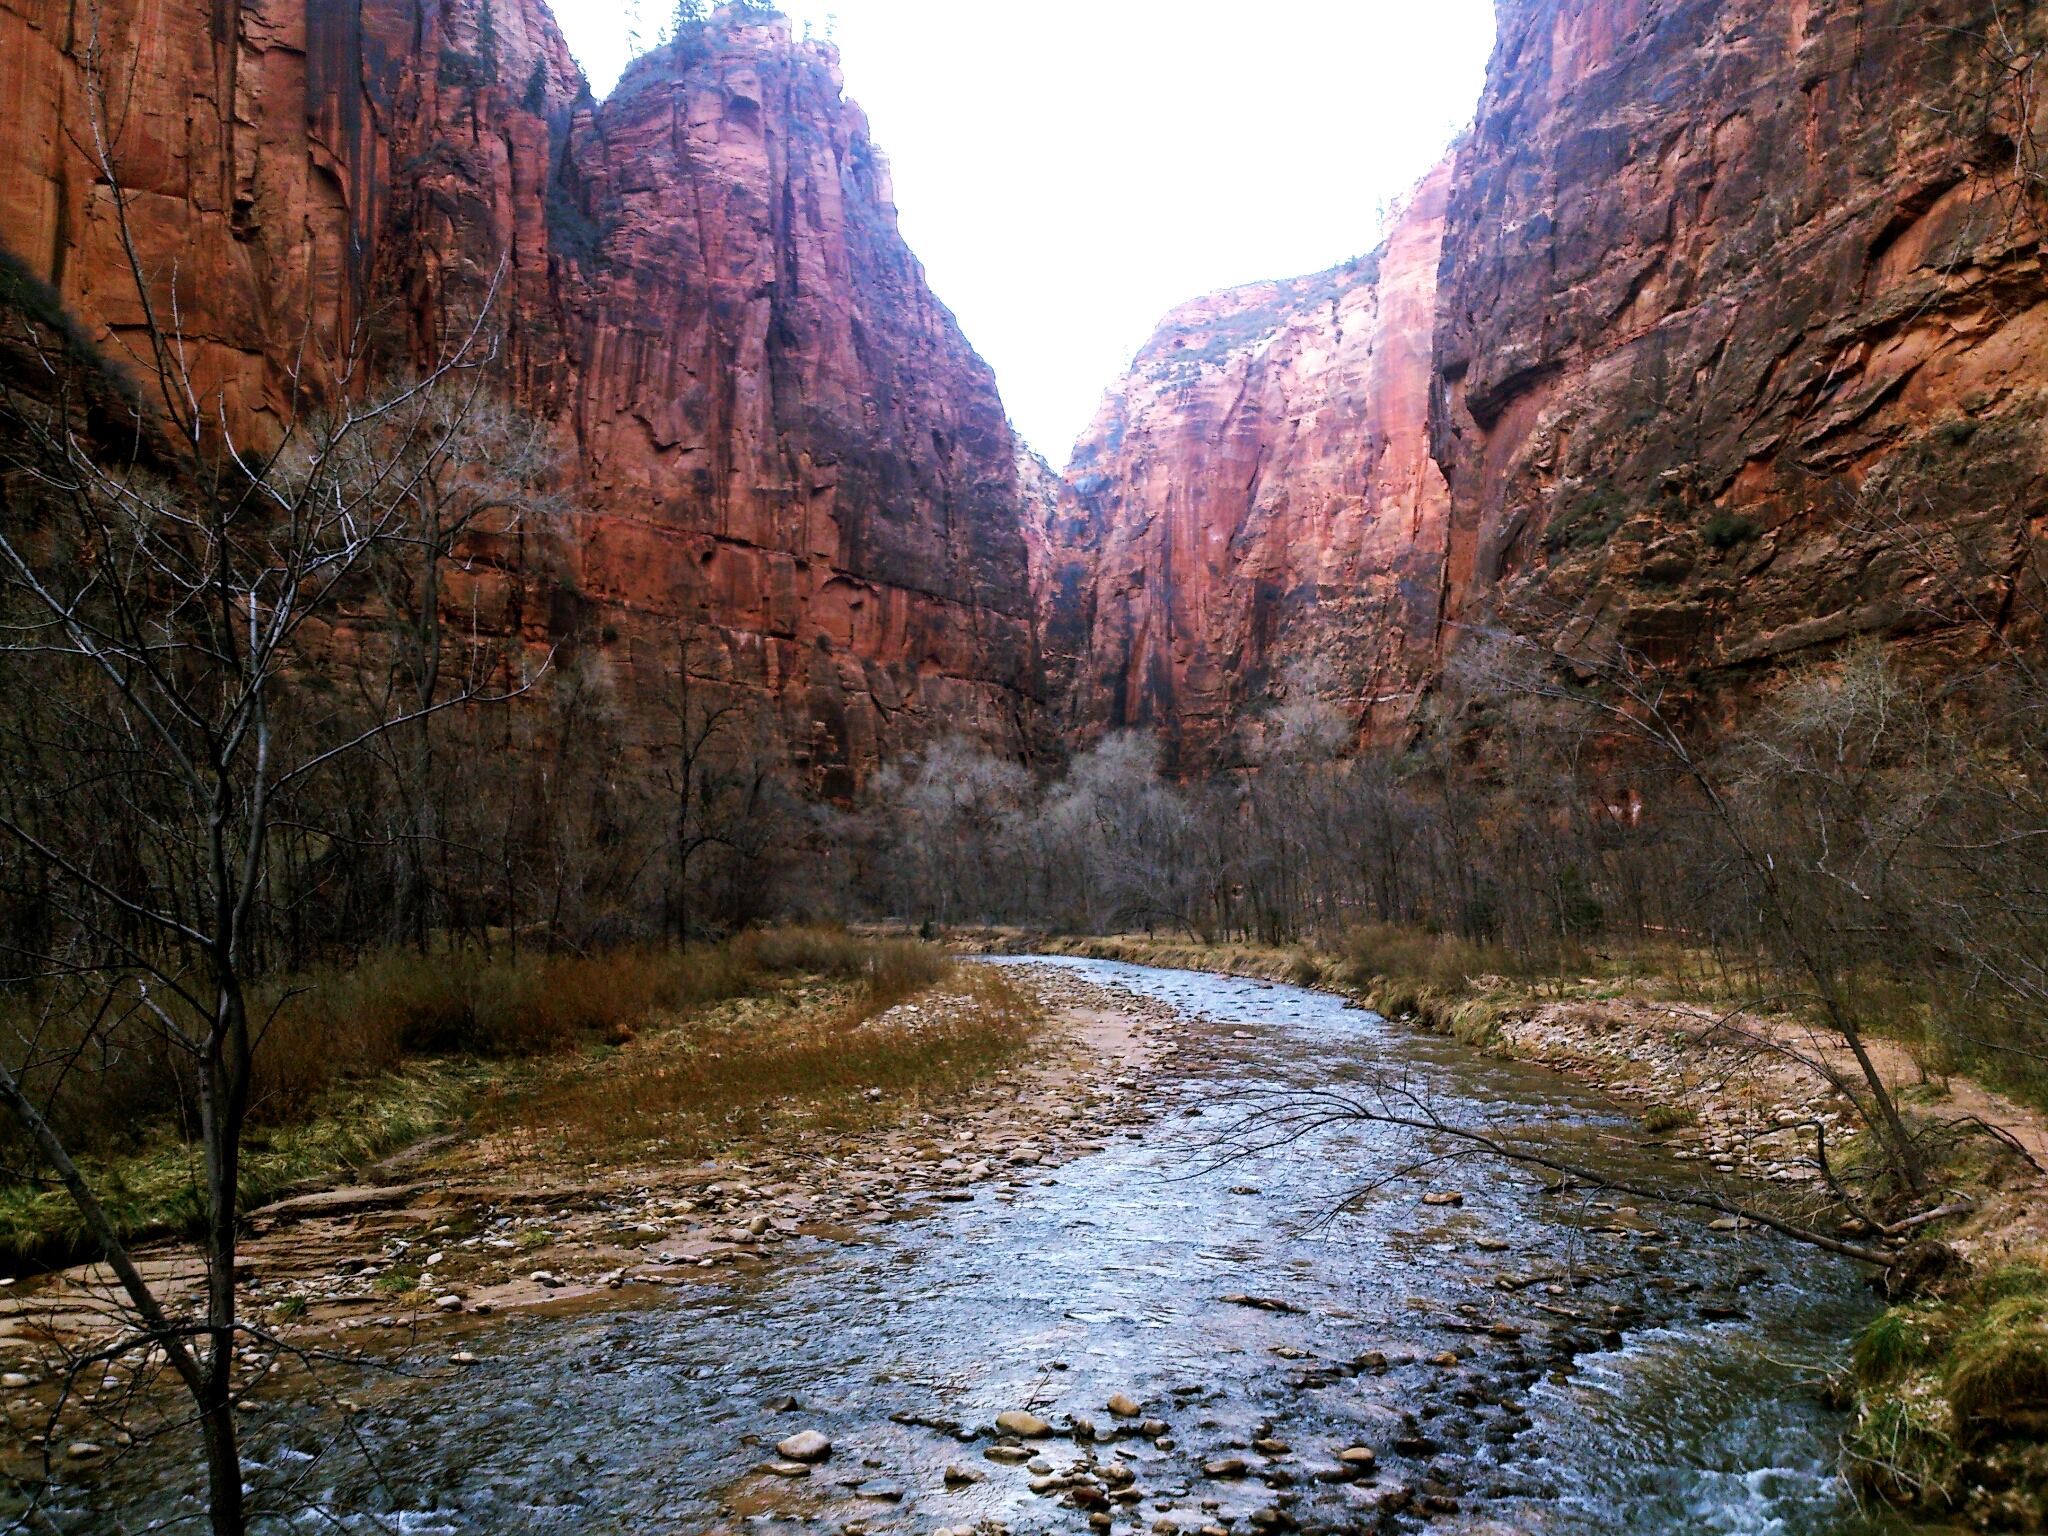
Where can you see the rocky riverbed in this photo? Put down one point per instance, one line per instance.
(1107, 1313)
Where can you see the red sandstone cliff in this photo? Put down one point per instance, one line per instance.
(780, 439)
(1260, 493)
(1743, 333)
(1737, 348)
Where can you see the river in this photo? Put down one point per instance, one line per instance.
(1613, 1373)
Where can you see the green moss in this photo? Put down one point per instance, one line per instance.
(1952, 1401)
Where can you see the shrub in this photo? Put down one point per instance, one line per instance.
(1415, 956)
(1725, 530)
(1659, 1118)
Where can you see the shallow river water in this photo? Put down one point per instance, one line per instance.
(1602, 1384)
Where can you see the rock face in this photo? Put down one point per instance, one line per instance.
(1736, 349)
(1259, 494)
(783, 430)
(787, 462)
(1742, 334)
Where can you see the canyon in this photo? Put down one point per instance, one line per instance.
(1720, 334)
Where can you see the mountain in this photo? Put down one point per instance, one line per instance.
(1261, 496)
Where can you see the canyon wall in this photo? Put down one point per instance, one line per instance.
(1723, 334)
(784, 460)
(1742, 333)
(1261, 502)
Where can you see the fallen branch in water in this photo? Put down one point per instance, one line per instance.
(1283, 1117)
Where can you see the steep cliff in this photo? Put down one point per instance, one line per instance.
(1259, 494)
(1724, 334)
(1742, 333)
(782, 447)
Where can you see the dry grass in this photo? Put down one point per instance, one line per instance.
(354, 1063)
(1416, 958)
(810, 1055)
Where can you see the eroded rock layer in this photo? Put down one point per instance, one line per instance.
(1742, 332)
(787, 463)
(1261, 500)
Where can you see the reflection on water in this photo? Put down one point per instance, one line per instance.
(1591, 1392)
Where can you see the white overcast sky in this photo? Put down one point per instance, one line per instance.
(1069, 170)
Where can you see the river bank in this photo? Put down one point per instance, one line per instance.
(419, 1265)
(1177, 1327)
(1949, 1389)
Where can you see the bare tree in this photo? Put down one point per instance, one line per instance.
(167, 594)
(473, 469)
(698, 725)
(1633, 696)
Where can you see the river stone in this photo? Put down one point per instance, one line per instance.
(961, 1477)
(785, 1469)
(1025, 1426)
(82, 1450)
(1443, 1197)
(1124, 1407)
(1357, 1456)
(804, 1445)
(1226, 1466)
(449, 1303)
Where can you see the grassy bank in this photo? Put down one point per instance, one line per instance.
(1951, 1400)
(676, 1049)
(819, 1052)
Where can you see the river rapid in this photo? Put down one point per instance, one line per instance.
(1613, 1372)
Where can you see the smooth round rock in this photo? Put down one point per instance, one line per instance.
(805, 1445)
